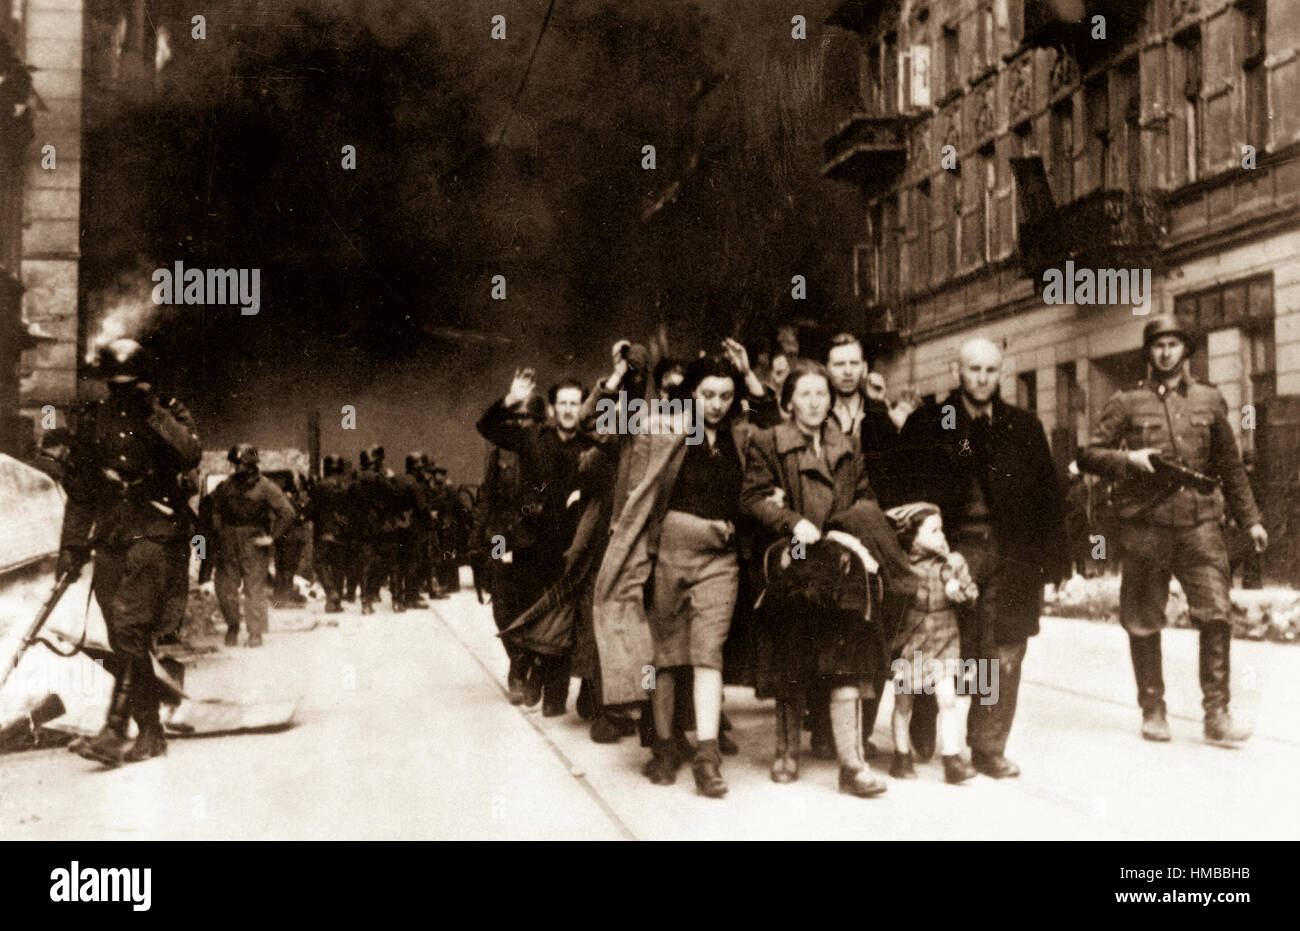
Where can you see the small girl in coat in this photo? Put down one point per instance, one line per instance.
(928, 644)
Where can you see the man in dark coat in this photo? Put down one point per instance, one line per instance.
(549, 457)
(988, 467)
(328, 509)
(499, 511)
(249, 513)
(127, 502)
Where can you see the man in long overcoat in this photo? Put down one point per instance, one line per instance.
(988, 467)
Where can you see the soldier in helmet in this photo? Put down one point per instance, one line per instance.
(429, 550)
(249, 511)
(127, 505)
(408, 503)
(1170, 522)
(450, 517)
(375, 502)
(329, 510)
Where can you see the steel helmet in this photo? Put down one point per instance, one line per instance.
(1165, 325)
(243, 454)
(332, 465)
(123, 361)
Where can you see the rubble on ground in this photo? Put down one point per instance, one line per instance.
(1271, 613)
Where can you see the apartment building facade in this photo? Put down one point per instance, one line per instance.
(999, 139)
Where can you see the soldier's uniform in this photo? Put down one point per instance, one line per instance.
(401, 574)
(1171, 528)
(329, 511)
(127, 503)
(373, 504)
(245, 507)
(449, 520)
(290, 547)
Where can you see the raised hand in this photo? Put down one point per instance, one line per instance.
(522, 387)
(738, 355)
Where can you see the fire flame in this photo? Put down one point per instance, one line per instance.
(124, 310)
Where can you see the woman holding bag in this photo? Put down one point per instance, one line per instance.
(804, 480)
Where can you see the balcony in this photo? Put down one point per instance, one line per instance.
(869, 151)
(1053, 23)
(1104, 229)
(857, 15)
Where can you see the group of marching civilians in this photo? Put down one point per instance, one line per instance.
(795, 533)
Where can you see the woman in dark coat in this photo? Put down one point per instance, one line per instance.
(804, 479)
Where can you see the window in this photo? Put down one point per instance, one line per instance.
(1069, 397)
(871, 91)
(880, 263)
(951, 57)
(1235, 303)
(1263, 366)
(1062, 164)
(987, 37)
(1027, 391)
(864, 272)
(889, 259)
(1255, 75)
(988, 207)
(1022, 145)
(1127, 107)
(1188, 64)
(1097, 142)
(889, 75)
(920, 264)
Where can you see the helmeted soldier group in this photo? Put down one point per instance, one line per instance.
(130, 467)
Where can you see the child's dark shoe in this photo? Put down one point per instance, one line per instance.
(902, 767)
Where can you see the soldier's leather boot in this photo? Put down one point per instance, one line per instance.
(1149, 673)
(789, 733)
(1216, 642)
(108, 746)
(232, 636)
(145, 702)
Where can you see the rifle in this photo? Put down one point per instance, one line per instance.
(1178, 473)
(1170, 475)
(32, 635)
